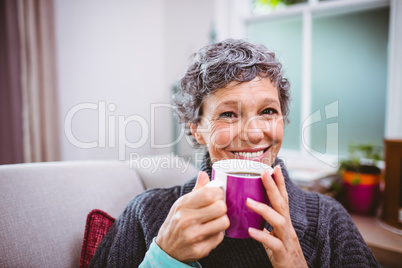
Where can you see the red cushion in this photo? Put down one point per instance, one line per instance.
(98, 224)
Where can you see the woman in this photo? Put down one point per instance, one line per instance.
(234, 101)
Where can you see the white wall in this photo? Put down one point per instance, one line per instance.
(188, 26)
(127, 53)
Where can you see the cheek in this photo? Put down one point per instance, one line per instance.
(221, 136)
(278, 131)
(276, 134)
(275, 130)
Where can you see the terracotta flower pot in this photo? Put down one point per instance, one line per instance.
(361, 191)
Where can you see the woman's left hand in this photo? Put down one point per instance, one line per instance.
(282, 244)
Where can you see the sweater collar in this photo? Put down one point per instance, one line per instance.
(297, 203)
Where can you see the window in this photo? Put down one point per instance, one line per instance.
(335, 54)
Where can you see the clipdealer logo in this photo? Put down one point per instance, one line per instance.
(112, 130)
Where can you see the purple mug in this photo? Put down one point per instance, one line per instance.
(240, 179)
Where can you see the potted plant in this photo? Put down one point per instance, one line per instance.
(361, 178)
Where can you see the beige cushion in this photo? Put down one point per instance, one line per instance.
(43, 208)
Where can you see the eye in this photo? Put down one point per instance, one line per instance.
(270, 111)
(227, 115)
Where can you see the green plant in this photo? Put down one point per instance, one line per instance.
(363, 158)
(264, 6)
(274, 3)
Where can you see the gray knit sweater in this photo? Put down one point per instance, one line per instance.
(327, 235)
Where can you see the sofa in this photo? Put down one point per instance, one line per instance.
(44, 206)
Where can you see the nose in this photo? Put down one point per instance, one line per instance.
(253, 131)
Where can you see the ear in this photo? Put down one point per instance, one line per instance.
(196, 134)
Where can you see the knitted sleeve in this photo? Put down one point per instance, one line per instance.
(342, 243)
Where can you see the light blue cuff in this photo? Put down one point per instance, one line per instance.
(156, 257)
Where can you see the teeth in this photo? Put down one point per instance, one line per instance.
(249, 155)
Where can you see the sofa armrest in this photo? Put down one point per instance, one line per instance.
(44, 207)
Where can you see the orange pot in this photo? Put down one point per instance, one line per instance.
(355, 178)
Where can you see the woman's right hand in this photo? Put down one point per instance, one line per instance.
(195, 223)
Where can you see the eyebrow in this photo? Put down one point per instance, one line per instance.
(265, 101)
(229, 103)
(271, 100)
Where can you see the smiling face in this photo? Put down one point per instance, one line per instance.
(242, 121)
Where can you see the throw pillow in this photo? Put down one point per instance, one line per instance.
(97, 225)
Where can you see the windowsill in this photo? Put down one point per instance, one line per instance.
(306, 170)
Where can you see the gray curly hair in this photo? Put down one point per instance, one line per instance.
(216, 65)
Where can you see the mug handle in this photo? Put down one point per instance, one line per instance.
(219, 184)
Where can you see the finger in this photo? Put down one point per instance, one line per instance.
(269, 241)
(268, 232)
(215, 226)
(204, 196)
(212, 211)
(280, 182)
(216, 239)
(276, 199)
(202, 180)
(277, 221)
(204, 247)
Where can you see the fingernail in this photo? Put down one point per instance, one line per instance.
(251, 201)
(278, 167)
(252, 231)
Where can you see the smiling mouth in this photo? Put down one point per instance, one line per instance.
(251, 154)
